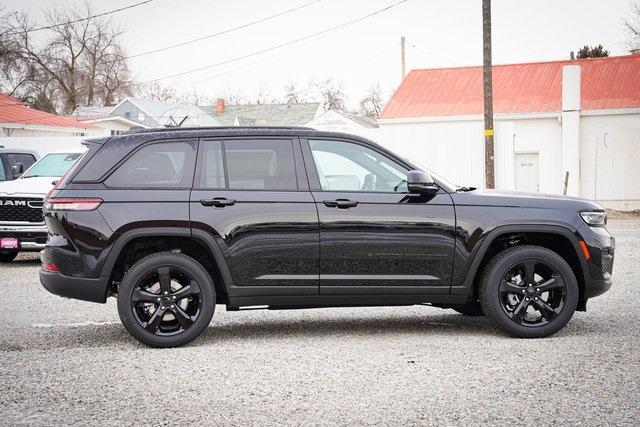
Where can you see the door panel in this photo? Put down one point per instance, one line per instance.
(262, 215)
(268, 238)
(388, 243)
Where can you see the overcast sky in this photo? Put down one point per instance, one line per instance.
(439, 33)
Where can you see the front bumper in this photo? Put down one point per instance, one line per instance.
(33, 238)
(94, 290)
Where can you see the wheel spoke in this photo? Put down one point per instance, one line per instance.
(140, 295)
(520, 310)
(154, 323)
(529, 272)
(187, 291)
(545, 309)
(510, 288)
(553, 283)
(183, 318)
(165, 279)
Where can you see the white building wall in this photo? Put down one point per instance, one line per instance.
(455, 149)
(44, 145)
(610, 158)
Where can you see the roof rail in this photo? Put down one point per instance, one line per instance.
(196, 128)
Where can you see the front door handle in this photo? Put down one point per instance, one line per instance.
(341, 203)
(218, 202)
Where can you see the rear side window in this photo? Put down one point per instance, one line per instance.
(249, 165)
(159, 165)
(3, 175)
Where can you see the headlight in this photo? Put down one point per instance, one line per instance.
(594, 219)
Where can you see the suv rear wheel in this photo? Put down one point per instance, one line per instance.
(529, 291)
(166, 300)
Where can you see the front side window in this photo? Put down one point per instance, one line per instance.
(53, 165)
(3, 175)
(344, 166)
(160, 165)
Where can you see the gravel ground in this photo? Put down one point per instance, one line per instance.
(70, 362)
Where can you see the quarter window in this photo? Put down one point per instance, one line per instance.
(160, 165)
(344, 166)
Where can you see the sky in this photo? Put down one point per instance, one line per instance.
(438, 33)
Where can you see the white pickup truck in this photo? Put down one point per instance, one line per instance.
(22, 227)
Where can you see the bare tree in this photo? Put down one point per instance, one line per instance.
(633, 26)
(81, 63)
(371, 105)
(332, 93)
(194, 97)
(157, 92)
(294, 93)
(233, 96)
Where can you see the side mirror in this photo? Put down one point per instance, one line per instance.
(17, 170)
(421, 182)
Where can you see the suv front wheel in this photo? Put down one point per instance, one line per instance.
(166, 299)
(529, 291)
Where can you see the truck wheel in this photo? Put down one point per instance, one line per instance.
(529, 291)
(468, 309)
(166, 300)
(8, 256)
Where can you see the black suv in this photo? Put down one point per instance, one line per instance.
(175, 221)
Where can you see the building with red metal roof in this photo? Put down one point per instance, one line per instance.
(575, 118)
(16, 119)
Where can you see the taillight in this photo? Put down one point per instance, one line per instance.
(73, 204)
(49, 266)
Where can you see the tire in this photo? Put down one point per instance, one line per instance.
(529, 305)
(472, 310)
(166, 300)
(8, 256)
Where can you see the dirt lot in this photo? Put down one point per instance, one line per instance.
(69, 362)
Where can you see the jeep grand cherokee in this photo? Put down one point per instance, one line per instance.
(175, 221)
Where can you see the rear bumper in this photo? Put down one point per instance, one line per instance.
(94, 290)
(32, 238)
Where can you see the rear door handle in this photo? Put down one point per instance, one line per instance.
(341, 203)
(218, 202)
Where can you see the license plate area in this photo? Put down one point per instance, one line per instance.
(9, 243)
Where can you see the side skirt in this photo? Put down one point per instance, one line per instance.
(318, 301)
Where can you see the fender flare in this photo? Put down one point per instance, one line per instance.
(202, 237)
(480, 252)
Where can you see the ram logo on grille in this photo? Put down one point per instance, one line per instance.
(13, 203)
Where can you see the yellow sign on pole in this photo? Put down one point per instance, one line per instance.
(488, 132)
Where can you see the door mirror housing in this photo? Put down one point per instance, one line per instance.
(421, 182)
(17, 170)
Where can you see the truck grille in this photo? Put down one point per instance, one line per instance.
(21, 209)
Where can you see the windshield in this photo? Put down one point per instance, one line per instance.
(53, 165)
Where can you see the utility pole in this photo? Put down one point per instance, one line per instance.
(402, 58)
(489, 171)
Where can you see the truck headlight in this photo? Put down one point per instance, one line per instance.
(594, 219)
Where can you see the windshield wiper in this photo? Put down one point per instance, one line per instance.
(459, 188)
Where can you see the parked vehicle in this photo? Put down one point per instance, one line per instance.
(175, 221)
(22, 226)
(13, 162)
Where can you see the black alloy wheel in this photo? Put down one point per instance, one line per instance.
(529, 291)
(166, 299)
(532, 292)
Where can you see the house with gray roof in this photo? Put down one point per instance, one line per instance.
(263, 114)
(151, 113)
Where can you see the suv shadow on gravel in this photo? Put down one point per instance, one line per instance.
(175, 221)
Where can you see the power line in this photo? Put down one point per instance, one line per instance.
(227, 31)
(209, 36)
(48, 27)
(279, 46)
